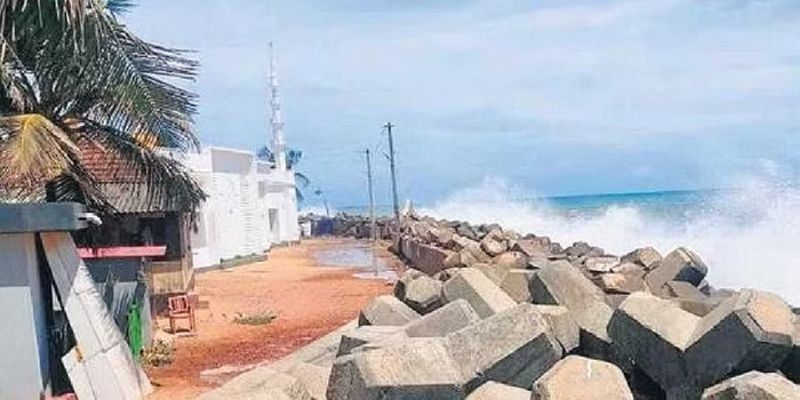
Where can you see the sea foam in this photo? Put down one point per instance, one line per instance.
(749, 237)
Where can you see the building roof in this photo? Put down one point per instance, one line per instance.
(119, 180)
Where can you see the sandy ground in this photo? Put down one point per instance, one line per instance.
(309, 299)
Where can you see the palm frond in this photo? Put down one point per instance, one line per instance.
(302, 179)
(126, 85)
(152, 177)
(265, 153)
(33, 150)
(293, 158)
(17, 92)
(13, 13)
(104, 72)
(119, 7)
(71, 73)
(78, 186)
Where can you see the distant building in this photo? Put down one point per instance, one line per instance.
(251, 205)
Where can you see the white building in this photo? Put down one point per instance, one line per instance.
(251, 205)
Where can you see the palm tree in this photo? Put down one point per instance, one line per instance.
(73, 75)
(292, 159)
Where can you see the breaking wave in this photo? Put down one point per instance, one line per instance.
(749, 237)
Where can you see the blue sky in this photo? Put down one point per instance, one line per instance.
(557, 97)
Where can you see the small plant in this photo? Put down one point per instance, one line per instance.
(262, 318)
(159, 354)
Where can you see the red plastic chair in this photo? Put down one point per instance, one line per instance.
(180, 307)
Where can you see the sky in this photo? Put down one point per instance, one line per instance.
(558, 97)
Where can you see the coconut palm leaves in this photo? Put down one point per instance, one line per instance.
(293, 158)
(73, 77)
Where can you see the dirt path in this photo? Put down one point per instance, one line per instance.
(309, 299)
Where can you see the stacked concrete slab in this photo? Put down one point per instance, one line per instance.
(652, 321)
(487, 313)
(513, 347)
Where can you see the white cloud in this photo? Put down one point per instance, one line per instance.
(579, 72)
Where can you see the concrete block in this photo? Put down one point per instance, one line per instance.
(578, 249)
(683, 290)
(562, 284)
(447, 319)
(467, 258)
(614, 299)
(752, 330)
(791, 368)
(684, 353)
(417, 369)
(564, 328)
(600, 264)
(647, 257)
(313, 377)
(482, 294)
(444, 276)
(453, 260)
(424, 294)
(577, 377)
(517, 283)
(511, 260)
(498, 391)
(680, 265)
(383, 342)
(402, 283)
(616, 283)
(655, 333)
(365, 334)
(492, 246)
(629, 268)
(533, 247)
(699, 307)
(261, 383)
(474, 250)
(494, 272)
(754, 385)
(514, 346)
(430, 259)
(386, 310)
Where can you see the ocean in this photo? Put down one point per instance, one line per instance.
(749, 237)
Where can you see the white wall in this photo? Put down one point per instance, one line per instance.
(235, 220)
(24, 367)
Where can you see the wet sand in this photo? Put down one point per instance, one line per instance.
(309, 286)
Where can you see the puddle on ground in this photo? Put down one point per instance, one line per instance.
(360, 257)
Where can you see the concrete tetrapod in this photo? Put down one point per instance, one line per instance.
(577, 377)
(512, 347)
(684, 353)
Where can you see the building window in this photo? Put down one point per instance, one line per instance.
(273, 220)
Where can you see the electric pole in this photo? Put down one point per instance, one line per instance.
(371, 197)
(389, 127)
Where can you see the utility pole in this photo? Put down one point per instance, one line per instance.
(389, 127)
(371, 197)
(372, 224)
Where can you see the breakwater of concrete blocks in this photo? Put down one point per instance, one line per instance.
(487, 313)
(347, 225)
